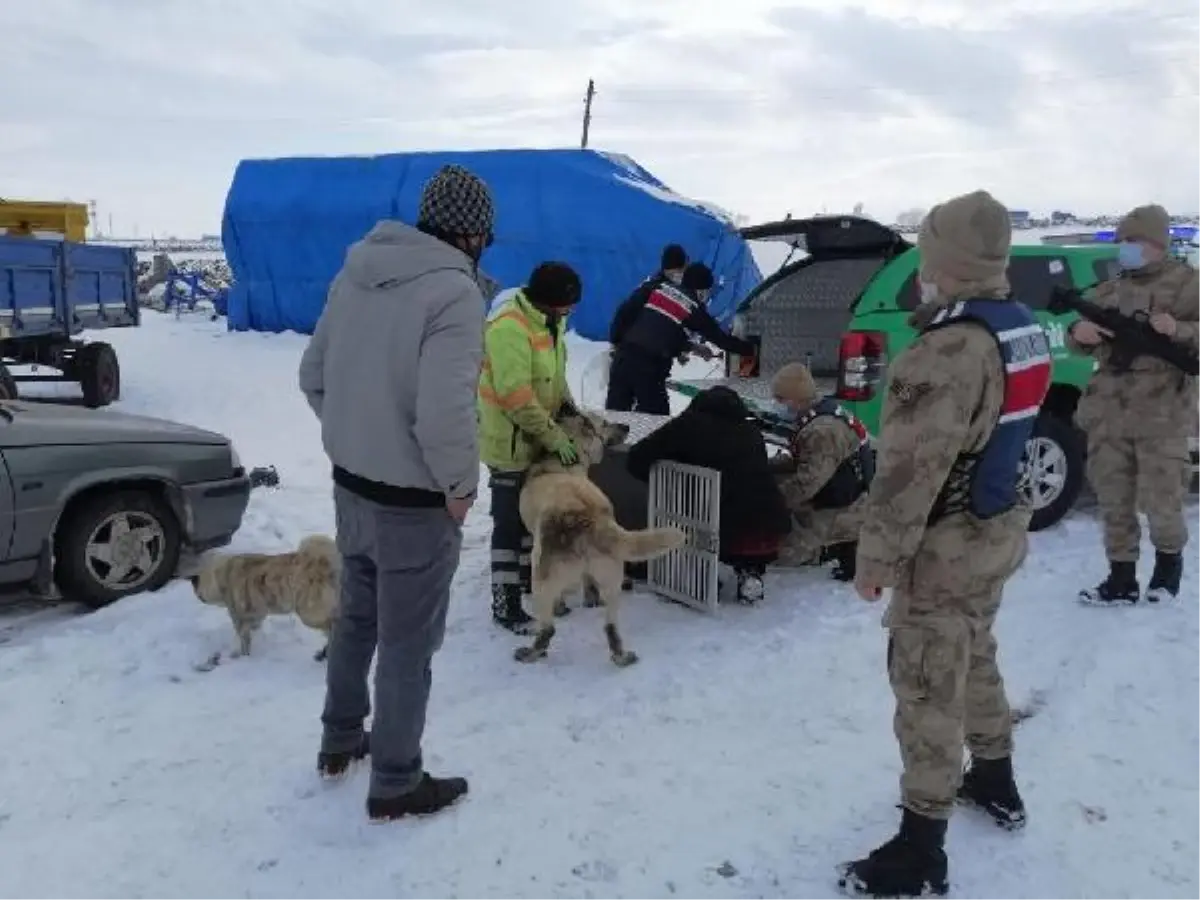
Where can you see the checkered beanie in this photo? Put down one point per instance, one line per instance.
(457, 202)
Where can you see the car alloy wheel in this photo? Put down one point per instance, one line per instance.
(1043, 472)
(125, 550)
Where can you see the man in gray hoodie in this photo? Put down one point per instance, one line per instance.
(391, 372)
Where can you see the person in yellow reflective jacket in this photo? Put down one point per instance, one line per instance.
(522, 387)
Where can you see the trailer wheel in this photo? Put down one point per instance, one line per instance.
(99, 374)
(8, 385)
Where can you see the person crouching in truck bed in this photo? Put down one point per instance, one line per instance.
(824, 475)
(717, 431)
(642, 361)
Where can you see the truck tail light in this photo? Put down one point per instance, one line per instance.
(862, 357)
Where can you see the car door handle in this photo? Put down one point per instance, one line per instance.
(31, 485)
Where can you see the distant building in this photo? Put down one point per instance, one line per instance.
(1019, 218)
(1060, 217)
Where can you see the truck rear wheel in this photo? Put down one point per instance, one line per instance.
(99, 374)
(8, 385)
(1052, 470)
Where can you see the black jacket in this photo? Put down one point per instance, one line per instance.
(632, 305)
(661, 326)
(717, 431)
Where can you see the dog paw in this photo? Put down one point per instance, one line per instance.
(209, 664)
(625, 658)
(561, 609)
(528, 654)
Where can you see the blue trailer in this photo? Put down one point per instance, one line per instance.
(50, 292)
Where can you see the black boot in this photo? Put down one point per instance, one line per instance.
(335, 765)
(912, 864)
(1164, 582)
(1119, 588)
(507, 611)
(988, 785)
(431, 795)
(845, 560)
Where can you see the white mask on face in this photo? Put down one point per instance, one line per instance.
(675, 277)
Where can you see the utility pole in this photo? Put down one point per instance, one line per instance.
(587, 112)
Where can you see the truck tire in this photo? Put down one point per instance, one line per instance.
(1052, 470)
(96, 563)
(99, 374)
(8, 385)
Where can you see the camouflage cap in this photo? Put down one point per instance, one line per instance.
(794, 383)
(967, 238)
(1146, 223)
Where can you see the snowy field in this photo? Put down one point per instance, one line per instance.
(743, 757)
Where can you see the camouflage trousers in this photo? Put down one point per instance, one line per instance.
(813, 529)
(942, 657)
(1146, 472)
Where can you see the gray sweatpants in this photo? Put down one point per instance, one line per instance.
(397, 567)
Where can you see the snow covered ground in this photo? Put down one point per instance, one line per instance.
(744, 756)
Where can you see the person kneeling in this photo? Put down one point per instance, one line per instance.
(824, 476)
(717, 431)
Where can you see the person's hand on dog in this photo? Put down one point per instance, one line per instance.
(565, 450)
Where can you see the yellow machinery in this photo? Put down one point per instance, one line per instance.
(24, 218)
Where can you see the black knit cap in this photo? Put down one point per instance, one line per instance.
(456, 201)
(697, 277)
(673, 257)
(554, 285)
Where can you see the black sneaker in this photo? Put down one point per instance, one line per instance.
(912, 864)
(507, 611)
(431, 795)
(335, 765)
(1120, 588)
(988, 785)
(1164, 582)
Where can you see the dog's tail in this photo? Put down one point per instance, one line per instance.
(639, 546)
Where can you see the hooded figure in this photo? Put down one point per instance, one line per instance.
(945, 529)
(390, 372)
(717, 431)
(1138, 420)
(522, 388)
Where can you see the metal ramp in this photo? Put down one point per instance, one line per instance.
(688, 497)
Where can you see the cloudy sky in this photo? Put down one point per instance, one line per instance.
(762, 107)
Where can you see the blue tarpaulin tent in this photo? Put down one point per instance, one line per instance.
(288, 223)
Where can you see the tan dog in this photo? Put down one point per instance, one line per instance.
(576, 541)
(253, 586)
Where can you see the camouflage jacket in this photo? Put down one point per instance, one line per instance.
(816, 452)
(944, 396)
(1152, 399)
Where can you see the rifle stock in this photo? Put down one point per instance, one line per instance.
(1132, 336)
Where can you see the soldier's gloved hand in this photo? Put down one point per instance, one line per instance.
(564, 449)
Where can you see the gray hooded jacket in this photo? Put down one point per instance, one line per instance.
(393, 366)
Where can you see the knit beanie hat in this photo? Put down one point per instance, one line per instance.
(697, 277)
(794, 383)
(1146, 223)
(554, 285)
(456, 202)
(673, 257)
(967, 238)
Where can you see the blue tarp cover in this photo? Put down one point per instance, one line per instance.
(288, 223)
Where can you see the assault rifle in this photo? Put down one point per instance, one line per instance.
(1132, 336)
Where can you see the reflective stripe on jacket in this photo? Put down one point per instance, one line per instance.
(522, 384)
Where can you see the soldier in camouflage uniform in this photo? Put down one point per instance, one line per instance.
(823, 476)
(945, 530)
(1138, 421)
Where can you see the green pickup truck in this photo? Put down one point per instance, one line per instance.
(843, 308)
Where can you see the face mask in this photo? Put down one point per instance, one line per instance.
(675, 277)
(1131, 255)
(929, 292)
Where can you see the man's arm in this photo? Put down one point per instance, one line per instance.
(510, 357)
(628, 311)
(662, 443)
(312, 362)
(1187, 311)
(924, 427)
(819, 450)
(446, 426)
(701, 322)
